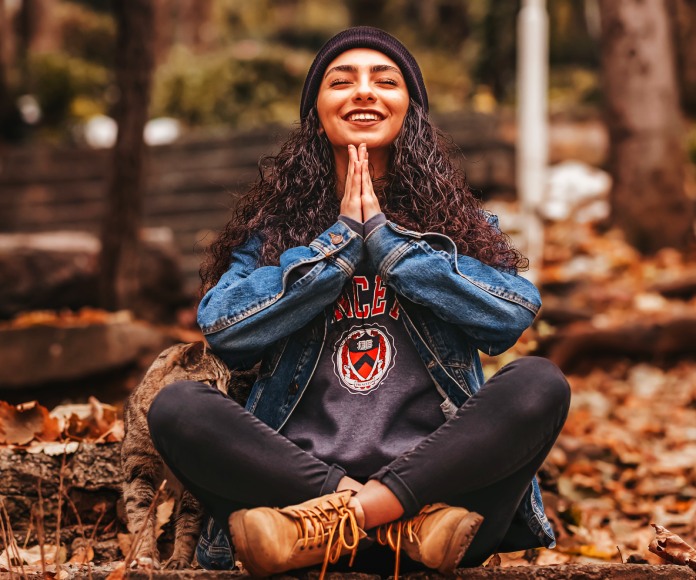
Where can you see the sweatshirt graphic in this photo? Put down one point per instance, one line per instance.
(366, 351)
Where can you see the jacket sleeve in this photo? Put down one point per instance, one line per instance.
(252, 307)
(492, 307)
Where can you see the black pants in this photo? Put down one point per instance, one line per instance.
(483, 458)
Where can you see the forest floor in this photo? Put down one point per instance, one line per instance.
(622, 328)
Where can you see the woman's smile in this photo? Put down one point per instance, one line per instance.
(364, 117)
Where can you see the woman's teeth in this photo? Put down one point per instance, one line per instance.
(363, 117)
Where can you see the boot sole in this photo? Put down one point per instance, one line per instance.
(459, 542)
(241, 545)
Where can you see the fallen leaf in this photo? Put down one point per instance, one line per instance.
(22, 423)
(53, 448)
(493, 561)
(30, 556)
(163, 514)
(550, 558)
(124, 543)
(82, 555)
(672, 548)
(511, 559)
(118, 573)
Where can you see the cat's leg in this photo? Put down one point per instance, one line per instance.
(188, 520)
(142, 471)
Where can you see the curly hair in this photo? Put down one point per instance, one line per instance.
(294, 198)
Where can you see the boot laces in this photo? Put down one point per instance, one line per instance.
(335, 525)
(391, 534)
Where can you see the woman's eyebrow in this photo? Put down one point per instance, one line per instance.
(353, 69)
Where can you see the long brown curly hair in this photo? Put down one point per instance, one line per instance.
(294, 198)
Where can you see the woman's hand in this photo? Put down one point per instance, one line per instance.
(359, 200)
(351, 203)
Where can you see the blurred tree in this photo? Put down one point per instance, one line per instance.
(366, 13)
(684, 21)
(119, 274)
(570, 41)
(647, 157)
(498, 53)
(5, 99)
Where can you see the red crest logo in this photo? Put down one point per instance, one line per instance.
(363, 357)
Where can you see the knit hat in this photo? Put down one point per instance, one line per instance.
(363, 37)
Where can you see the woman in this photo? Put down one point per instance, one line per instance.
(362, 274)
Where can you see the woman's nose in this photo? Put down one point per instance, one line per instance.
(364, 90)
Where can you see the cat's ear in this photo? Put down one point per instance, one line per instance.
(192, 354)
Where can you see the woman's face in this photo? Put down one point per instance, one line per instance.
(363, 98)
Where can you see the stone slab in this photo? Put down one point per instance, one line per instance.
(562, 572)
(41, 354)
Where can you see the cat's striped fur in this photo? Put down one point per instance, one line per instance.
(143, 469)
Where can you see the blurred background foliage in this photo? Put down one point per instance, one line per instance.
(242, 64)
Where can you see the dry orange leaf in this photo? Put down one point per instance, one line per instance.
(119, 572)
(672, 548)
(19, 424)
(82, 555)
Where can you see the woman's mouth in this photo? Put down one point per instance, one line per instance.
(363, 118)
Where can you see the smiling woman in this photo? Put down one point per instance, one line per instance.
(362, 277)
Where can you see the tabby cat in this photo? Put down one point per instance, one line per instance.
(144, 470)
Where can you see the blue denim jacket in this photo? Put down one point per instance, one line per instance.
(452, 306)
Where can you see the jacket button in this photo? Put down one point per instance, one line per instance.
(294, 388)
(336, 238)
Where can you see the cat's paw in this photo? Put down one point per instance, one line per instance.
(177, 563)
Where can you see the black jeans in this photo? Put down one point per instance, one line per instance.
(483, 458)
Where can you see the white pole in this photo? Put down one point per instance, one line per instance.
(532, 124)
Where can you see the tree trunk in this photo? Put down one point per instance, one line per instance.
(4, 62)
(119, 283)
(366, 13)
(684, 20)
(642, 110)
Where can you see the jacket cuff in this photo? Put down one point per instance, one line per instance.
(342, 244)
(356, 226)
(374, 222)
(385, 244)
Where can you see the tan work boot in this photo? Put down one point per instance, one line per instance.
(438, 536)
(273, 540)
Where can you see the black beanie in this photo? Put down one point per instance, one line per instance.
(363, 37)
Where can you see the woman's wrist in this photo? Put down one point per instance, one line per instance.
(354, 225)
(373, 223)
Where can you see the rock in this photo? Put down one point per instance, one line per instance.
(92, 475)
(583, 344)
(47, 270)
(45, 353)
(563, 572)
(54, 270)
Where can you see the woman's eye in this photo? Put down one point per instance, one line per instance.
(387, 81)
(338, 82)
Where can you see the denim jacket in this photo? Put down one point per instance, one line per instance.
(452, 305)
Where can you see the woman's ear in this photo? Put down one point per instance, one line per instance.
(320, 130)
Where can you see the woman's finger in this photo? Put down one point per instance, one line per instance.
(350, 203)
(349, 174)
(369, 201)
(362, 152)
